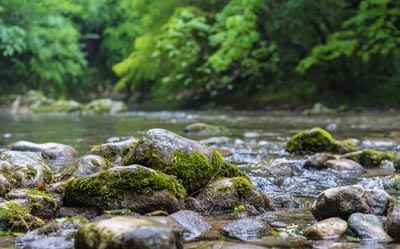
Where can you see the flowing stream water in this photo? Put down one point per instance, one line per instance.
(255, 144)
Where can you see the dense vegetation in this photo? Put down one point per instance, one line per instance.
(191, 52)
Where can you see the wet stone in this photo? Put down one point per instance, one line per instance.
(393, 223)
(318, 161)
(345, 165)
(192, 223)
(367, 226)
(246, 229)
(328, 228)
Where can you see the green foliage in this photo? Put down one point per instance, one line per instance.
(371, 31)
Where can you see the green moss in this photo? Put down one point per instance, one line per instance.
(151, 159)
(18, 217)
(313, 141)
(239, 208)
(118, 212)
(194, 170)
(227, 170)
(47, 196)
(243, 186)
(129, 148)
(30, 172)
(106, 187)
(370, 158)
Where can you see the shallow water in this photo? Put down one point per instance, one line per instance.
(255, 145)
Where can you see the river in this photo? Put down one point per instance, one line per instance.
(256, 142)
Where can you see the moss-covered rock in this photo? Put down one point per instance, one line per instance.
(105, 106)
(15, 216)
(226, 194)
(41, 204)
(127, 232)
(314, 141)
(133, 187)
(22, 169)
(193, 163)
(56, 106)
(114, 151)
(369, 158)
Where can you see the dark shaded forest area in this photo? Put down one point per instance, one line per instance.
(243, 53)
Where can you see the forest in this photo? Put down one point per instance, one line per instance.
(192, 53)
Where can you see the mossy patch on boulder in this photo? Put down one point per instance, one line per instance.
(316, 140)
(369, 158)
(133, 187)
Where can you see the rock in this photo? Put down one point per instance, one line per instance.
(318, 161)
(369, 158)
(132, 187)
(246, 229)
(51, 243)
(197, 127)
(286, 201)
(193, 163)
(192, 223)
(345, 165)
(105, 106)
(22, 169)
(58, 234)
(368, 226)
(346, 200)
(314, 141)
(15, 216)
(41, 204)
(215, 140)
(326, 229)
(114, 151)
(319, 109)
(87, 165)
(393, 223)
(226, 194)
(56, 106)
(54, 151)
(127, 232)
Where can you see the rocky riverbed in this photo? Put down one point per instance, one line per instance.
(210, 191)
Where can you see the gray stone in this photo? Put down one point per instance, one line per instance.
(318, 161)
(54, 151)
(246, 229)
(329, 228)
(346, 200)
(88, 165)
(127, 232)
(368, 226)
(22, 169)
(345, 165)
(393, 223)
(113, 151)
(192, 223)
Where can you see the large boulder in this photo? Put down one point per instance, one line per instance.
(314, 141)
(325, 229)
(22, 169)
(193, 163)
(346, 200)
(124, 232)
(132, 187)
(54, 151)
(226, 194)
